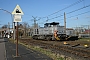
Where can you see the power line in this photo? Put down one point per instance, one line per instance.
(64, 9)
(78, 9)
(78, 14)
(74, 15)
(55, 17)
(67, 7)
(72, 11)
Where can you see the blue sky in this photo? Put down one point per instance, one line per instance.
(46, 8)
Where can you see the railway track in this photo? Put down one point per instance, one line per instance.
(69, 49)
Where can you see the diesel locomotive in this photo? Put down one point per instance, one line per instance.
(51, 31)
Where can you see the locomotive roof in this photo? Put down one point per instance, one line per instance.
(53, 23)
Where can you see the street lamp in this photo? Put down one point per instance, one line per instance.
(10, 14)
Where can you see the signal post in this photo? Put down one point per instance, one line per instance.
(17, 18)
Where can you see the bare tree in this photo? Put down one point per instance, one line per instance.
(25, 28)
(5, 26)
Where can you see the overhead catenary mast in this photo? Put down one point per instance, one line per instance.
(34, 21)
(65, 22)
(35, 24)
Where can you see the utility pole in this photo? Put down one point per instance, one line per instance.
(65, 22)
(14, 31)
(10, 14)
(17, 41)
(8, 29)
(47, 19)
(88, 30)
